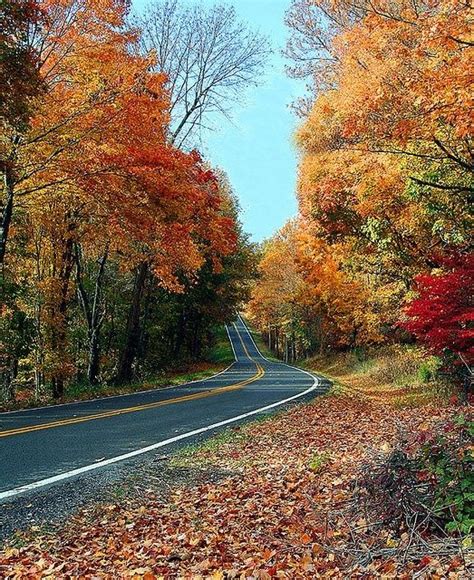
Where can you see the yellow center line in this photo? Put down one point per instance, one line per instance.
(243, 345)
(113, 413)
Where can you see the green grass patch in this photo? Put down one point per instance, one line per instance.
(167, 379)
(261, 344)
(403, 375)
(221, 352)
(318, 461)
(191, 453)
(203, 452)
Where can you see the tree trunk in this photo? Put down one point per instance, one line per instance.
(7, 378)
(93, 363)
(196, 345)
(59, 331)
(132, 337)
(59, 340)
(144, 330)
(180, 334)
(467, 388)
(7, 211)
(39, 352)
(94, 314)
(57, 384)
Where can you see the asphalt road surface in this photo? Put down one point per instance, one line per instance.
(40, 447)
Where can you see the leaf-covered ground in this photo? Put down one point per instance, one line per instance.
(278, 514)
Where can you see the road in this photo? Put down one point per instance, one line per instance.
(40, 447)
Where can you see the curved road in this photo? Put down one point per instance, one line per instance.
(39, 447)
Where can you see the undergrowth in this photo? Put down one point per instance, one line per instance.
(218, 357)
(402, 375)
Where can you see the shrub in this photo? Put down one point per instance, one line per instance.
(318, 461)
(442, 317)
(448, 459)
(427, 481)
(428, 369)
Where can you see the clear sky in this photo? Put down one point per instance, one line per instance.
(256, 150)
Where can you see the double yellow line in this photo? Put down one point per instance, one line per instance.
(114, 413)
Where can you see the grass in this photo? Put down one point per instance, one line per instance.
(402, 375)
(197, 454)
(221, 352)
(318, 461)
(218, 357)
(174, 378)
(186, 455)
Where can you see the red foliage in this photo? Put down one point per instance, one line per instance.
(443, 314)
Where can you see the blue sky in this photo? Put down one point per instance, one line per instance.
(256, 149)
(258, 152)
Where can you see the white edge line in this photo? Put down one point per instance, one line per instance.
(231, 343)
(68, 474)
(255, 344)
(153, 389)
(316, 378)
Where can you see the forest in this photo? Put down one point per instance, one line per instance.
(121, 247)
(381, 251)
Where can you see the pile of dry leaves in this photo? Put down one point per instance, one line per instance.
(286, 510)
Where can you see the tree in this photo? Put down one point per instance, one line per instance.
(180, 326)
(20, 83)
(307, 300)
(218, 293)
(210, 59)
(386, 172)
(398, 80)
(70, 43)
(94, 309)
(178, 247)
(19, 72)
(90, 78)
(442, 315)
(100, 194)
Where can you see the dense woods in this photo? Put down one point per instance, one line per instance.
(121, 248)
(380, 252)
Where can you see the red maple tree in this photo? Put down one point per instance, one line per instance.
(442, 316)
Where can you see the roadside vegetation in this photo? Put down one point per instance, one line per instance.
(217, 356)
(380, 253)
(404, 374)
(259, 340)
(220, 353)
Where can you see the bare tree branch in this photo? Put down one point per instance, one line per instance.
(209, 57)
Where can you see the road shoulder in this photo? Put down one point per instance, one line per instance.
(273, 507)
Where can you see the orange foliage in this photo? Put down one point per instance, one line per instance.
(386, 172)
(95, 168)
(303, 290)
